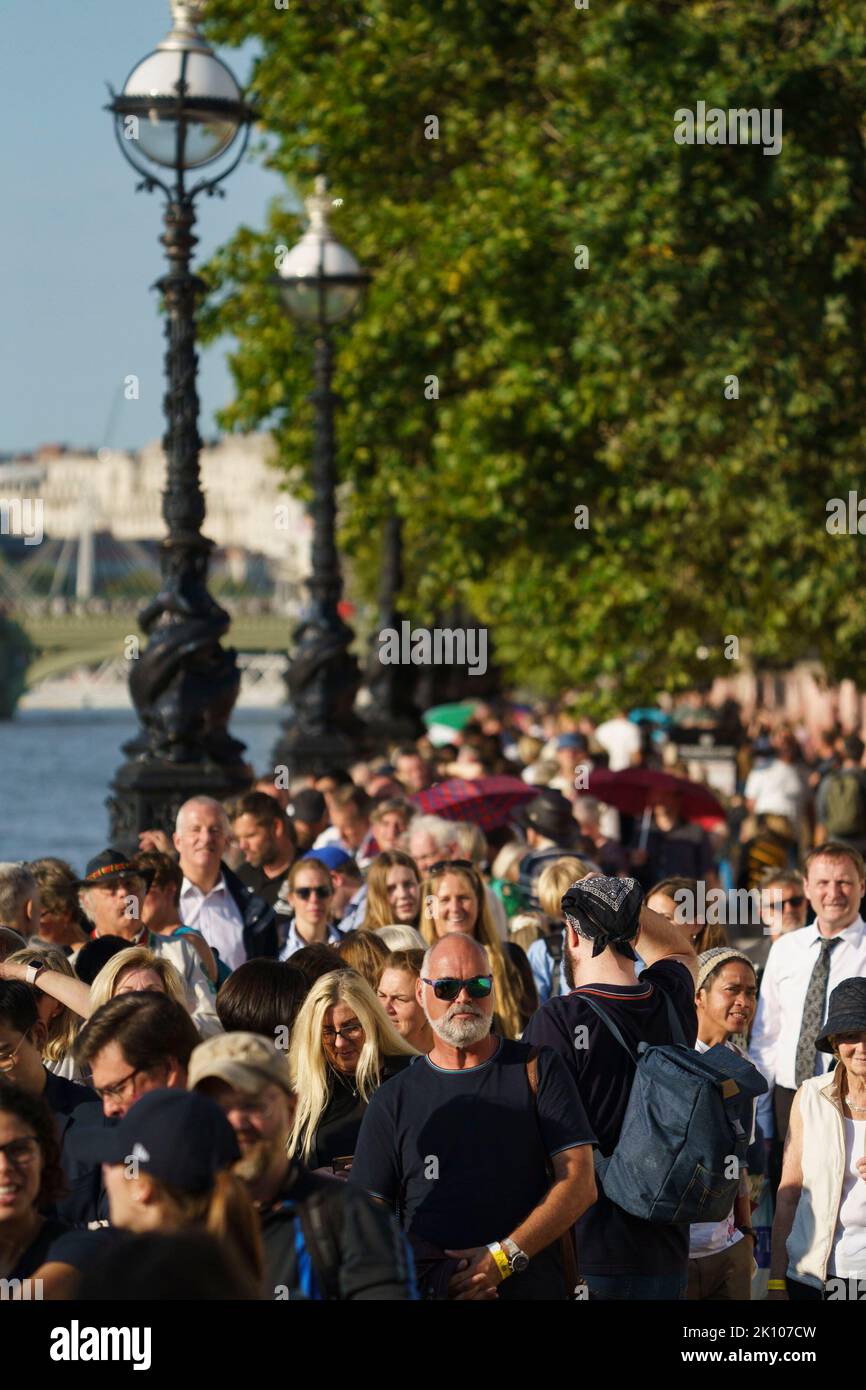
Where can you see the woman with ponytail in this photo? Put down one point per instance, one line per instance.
(167, 1170)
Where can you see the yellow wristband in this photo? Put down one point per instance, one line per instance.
(501, 1259)
(777, 1286)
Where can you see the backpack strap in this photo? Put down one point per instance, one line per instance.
(675, 1026)
(608, 1023)
(320, 1238)
(568, 1239)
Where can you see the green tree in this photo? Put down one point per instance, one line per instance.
(559, 386)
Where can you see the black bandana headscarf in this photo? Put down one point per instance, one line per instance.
(605, 911)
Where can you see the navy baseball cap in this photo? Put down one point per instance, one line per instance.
(331, 856)
(181, 1137)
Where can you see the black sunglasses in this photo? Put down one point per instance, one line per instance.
(796, 901)
(320, 892)
(444, 864)
(478, 987)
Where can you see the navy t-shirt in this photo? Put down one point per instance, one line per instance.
(461, 1155)
(609, 1240)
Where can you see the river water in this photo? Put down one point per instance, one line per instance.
(55, 768)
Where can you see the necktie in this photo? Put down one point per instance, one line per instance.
(813, 1013)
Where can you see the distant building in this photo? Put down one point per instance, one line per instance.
(120, 492)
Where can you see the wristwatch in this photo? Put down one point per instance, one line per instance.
(518, 1260)
(33, 971)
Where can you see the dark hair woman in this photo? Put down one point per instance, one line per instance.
(30, 1180)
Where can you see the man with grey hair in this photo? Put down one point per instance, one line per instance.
(19, 899)
(432, 1142)
(231, 918)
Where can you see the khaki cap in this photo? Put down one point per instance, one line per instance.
(246, 1061)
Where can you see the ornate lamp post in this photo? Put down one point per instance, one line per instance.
(321, 283)
(180, 109)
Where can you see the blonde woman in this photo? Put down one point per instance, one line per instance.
(455, 901)
(61, 1021)
(133, 970)
(545, 955)
(343, 1047)
(393, 891)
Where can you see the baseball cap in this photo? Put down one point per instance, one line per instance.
(181, 1137)
(331, 856)
(246, 1061)
(308, 805)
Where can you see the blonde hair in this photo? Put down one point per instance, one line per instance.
(307, 1060)
(507, 859)
(525, 928)
(224, 1211)
(63, 1028)
(555, 879)
(507, 982)
(104, 987)
(399, 938)
(471, 840)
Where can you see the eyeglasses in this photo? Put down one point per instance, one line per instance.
(478, 987)
(796, 901)
(7, 1060)
(19, 1152)
(349, 1031)
(443, 865)
(115, 1091)
(321, 893)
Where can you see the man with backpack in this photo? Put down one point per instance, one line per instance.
(840, 806)
(620, 1255)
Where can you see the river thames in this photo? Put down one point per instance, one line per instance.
(56, 769)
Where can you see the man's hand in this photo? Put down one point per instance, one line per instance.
(861, 1168)
(477, 1276)
(155, 839)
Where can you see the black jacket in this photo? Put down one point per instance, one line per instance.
(260, 920)
(325, 1240)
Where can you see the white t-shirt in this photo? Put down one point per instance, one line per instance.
(710, 1237)
(777, 790)
(620, 739)
(848, 1256)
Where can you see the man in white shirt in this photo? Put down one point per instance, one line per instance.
(620, 739)
(801, 966)
(781, 787)
(200, 838)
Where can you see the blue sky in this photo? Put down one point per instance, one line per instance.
(80, 248)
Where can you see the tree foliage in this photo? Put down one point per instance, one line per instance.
(559, 386)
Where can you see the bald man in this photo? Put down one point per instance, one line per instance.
(434, 1139)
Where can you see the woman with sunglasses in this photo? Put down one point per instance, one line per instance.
(393, 891)
(343, 1047)
(30, 1180)
(455, 901)
(309, 892)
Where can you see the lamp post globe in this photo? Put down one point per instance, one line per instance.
(321, 283)
(180, 109)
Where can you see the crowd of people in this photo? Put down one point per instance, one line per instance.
(321, 1043)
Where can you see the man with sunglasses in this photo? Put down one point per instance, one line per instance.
(460, 1146)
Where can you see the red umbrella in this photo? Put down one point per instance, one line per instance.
(634, 788)
(486, 802)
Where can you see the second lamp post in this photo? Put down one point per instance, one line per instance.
(320, 283)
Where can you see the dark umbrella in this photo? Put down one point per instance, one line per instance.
(634, 789)
(486, 801)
